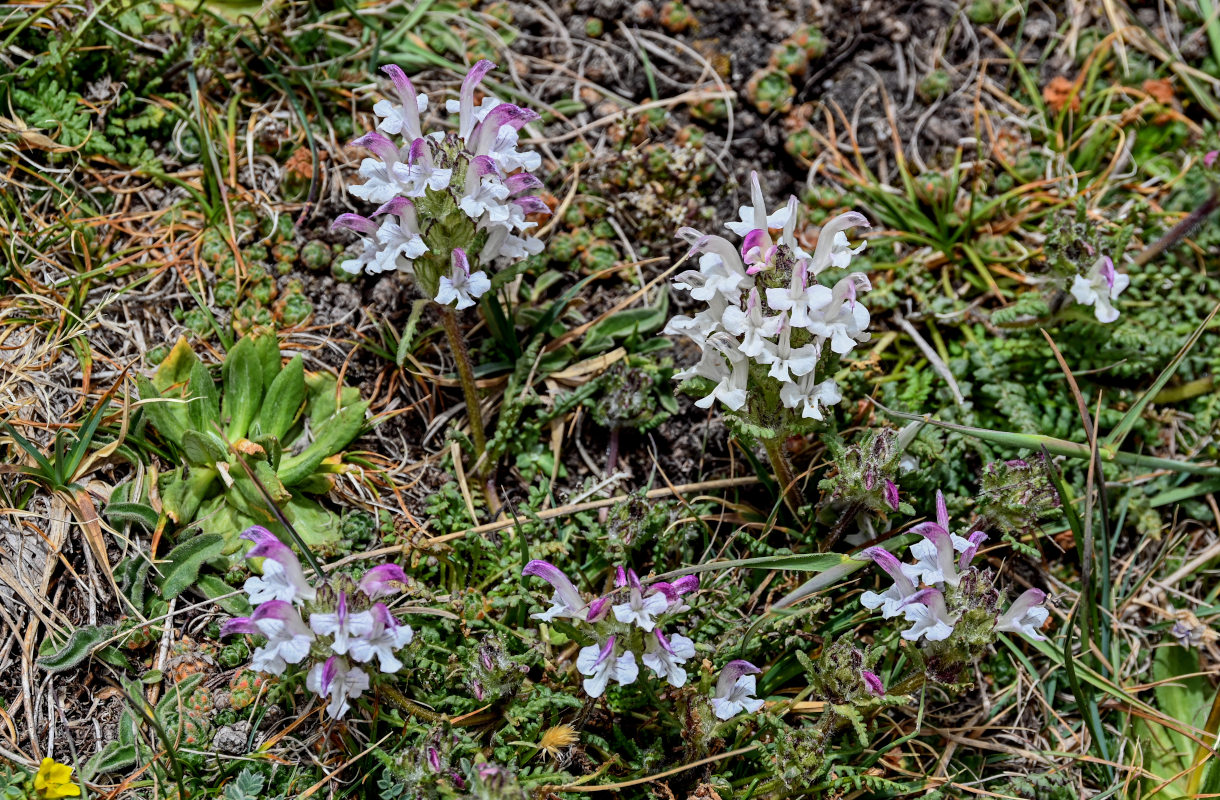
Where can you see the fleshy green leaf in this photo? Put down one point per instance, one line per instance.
(182, 496)
(246, 495)
(166, 415)
(203, 408)
(243, 383)
(202, 449)
(222, 593)
(79, 646)
(621, 325)
(332, 436)
(267, 352)
(283, 400)
(323, 389)
(167, 709)
(175, 370)
(113, 757)
(135, 513)
(183, 563)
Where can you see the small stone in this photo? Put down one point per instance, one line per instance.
(642, 12)
(231, 739)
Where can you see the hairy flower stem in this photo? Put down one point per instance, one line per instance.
(612, 452)
(1180, 231)
(410, 706)
(909, 684)
(611, 463)
(783, 473)
(848, 517)
(466, 375)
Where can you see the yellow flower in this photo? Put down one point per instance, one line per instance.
(54, 780)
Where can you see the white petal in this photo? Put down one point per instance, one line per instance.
(625, 669)
(587, 658)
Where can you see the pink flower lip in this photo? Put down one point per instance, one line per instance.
(417, 151)
(329, 670)
(520, 182)
(394, 206)
(532, 205)
(239, 625)
(731, 672)
(379, 145)
(597, 609)
(559, 582)
(606, 651)
(752, 240)
(687, 584)
(353, 222)
(382, 580)
(1107, 270)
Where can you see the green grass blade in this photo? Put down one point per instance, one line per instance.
(1059, 447)
(1124, 426)
(45, 468)
(84, 439)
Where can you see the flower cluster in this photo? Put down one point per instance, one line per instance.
(865, 472)
(451, 205)
(626, 625)
(769, 320)
(941, 589)
(843, 674)
(1100, 287)
(342, 627)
